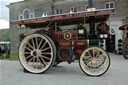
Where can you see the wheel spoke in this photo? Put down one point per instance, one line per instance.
(89, 53)
(28, 49)
(93, 52)
(97, 53)
(38, 62)
(44, 62)
(30, 45)
(91, 64)
(101, 56)
(36, 42)
(87, 60)
(96, 65)
(36, 65)
(27, 53)
(28, 56)
(99, 59)
(94, 69)
(45, 57)
(33, 43)
(34, 60)
(40, 43)
(43, 45)
(30, 60)
(46, 49)
(46, 53)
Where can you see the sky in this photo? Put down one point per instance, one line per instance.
(4, 13)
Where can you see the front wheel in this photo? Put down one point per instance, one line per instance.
(37, 53)
(94, 61)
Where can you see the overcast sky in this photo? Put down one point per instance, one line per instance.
(4, 13)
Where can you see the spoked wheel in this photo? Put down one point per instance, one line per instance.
(94, 61)
(125, 50)
(37, 53)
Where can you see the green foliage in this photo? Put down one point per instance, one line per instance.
(5, 35)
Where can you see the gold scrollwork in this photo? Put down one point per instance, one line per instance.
(67, 35)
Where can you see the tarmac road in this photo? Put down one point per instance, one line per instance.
(11, 73)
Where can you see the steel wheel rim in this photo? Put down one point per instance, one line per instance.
(34, 59)
(100, 69)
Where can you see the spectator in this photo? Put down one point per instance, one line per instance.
(2, 51)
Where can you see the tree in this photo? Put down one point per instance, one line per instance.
(4, 36)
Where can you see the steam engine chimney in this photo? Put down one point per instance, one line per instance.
(91, 19)
(90, 3)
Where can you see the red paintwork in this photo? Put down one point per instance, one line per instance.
(64, 53)
(126, 38)
(103, 28)
(78, 46)
(123, 27)
(74, 43)
(79, 52)
(81, 44)
(66, 44)
(59, 36)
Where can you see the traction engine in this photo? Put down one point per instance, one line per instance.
(66, 38)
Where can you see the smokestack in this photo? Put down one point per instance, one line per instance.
(91, 19)
(90, 3)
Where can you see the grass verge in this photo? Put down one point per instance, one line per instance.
(13, 56)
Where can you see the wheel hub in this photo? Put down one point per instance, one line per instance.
(94, 61)
(36, 53)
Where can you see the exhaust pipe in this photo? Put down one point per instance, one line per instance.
(91, 19)
(90, 3)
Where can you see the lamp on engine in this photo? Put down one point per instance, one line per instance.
(82, 34)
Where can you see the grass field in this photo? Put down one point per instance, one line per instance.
(13, 56)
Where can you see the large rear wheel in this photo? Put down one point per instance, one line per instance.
(94, 61)
(37, 53)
